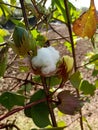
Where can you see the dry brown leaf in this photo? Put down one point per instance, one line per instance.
(68, 103)
(86, 24)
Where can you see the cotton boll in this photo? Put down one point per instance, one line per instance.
(46, 60)
(55, 53)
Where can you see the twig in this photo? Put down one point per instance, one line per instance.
(3, 44)
(35, 6)
(59, 38)
(44, 2)
(17, 85)
(24, 14)
(88, 63)
(24, 80)
(73, 52)
(58, 33)
(60, 86)
(7, 126)
(21, 108)
(9, 64)
(70, 32)
(59, 20)
(10, 5)
(42, 19)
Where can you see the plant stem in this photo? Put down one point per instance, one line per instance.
(73, 52)
(24, 14)
(49, 102)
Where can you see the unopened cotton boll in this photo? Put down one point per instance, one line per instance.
(46, 60)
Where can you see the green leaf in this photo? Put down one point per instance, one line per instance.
(87, 88)
(61, 8)
(27, 87)
(3, 60)
(95, 72)
(23, 42)
(37, 79)
(96, 83)
(35, 33)
(23, 68)
(76, 79)
(18, 22)
(13, 2)
(6, 10)
(4, 32)
(41, 40)
(39, 113)
(51, 81)
(68, 45)
(9, 99)
(94, 61)
(60, 13)
(61, 124)
(94, 58)
(1, 39)
(1, 13)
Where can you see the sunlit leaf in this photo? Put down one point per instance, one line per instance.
(68, 45)
(60, 13)
(96, 83)
(94, 58)
(61, 8)
(86, 24)
(1, 13)
(4, 32)
(35, 33)
(18, 22)
(5, 9)
(10, 99)
(23, 68)
(13, 2)
(1, 39)
(61, 123)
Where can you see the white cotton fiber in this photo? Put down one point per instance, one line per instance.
(46, 59)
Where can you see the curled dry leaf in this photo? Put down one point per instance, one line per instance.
(86, 24)
(64, 67)
(68, 103)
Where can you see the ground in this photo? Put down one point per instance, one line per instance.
(90, 110)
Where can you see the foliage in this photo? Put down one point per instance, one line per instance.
(37, 95)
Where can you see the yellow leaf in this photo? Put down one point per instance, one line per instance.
(4, 32)
(86, 24)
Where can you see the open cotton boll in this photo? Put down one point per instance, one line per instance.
(46, 60)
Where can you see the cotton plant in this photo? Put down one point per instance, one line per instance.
(44, 61)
